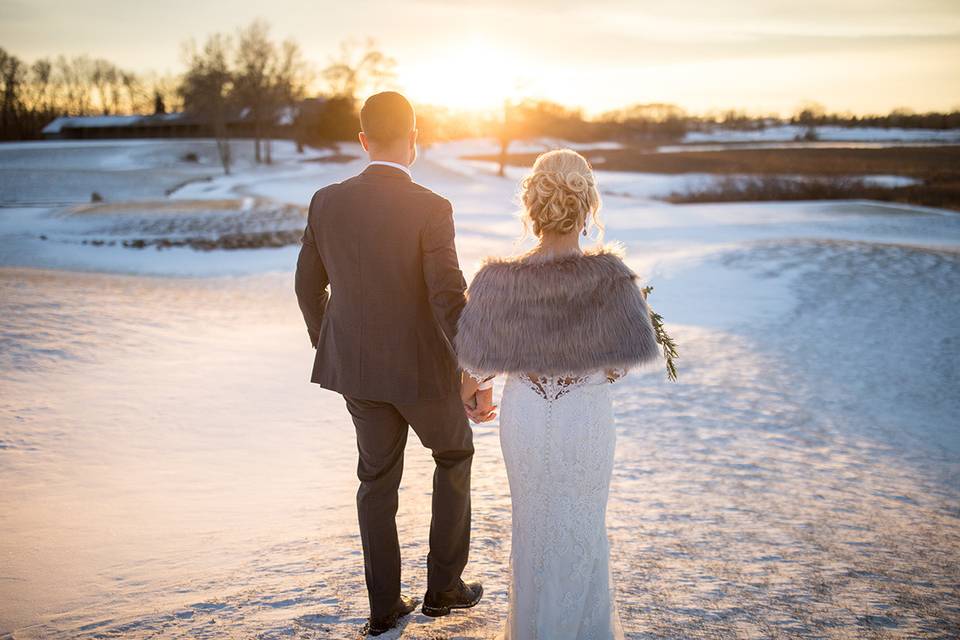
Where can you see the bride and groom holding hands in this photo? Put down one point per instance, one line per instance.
(407, 344)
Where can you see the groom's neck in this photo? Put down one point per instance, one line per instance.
(389, 157)
(398, 154)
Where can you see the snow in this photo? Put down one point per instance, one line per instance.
(68, 172)
(788, 133)
(890, 181)
(820, 144)
(168, 471)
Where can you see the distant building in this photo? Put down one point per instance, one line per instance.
(163, 125)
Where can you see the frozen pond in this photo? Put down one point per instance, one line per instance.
(167, 470)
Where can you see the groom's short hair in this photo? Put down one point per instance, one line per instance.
(387, 117)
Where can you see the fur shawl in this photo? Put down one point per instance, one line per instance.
(555, 315)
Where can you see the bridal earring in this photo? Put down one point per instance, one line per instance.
(584, 231)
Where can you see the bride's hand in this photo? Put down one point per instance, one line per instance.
(484, 410)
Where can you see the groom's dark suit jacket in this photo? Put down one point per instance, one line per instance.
(384, 244)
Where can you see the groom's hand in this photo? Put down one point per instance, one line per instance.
(483, 409)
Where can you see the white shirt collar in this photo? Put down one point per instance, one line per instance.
(395, 165)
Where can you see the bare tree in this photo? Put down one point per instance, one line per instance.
(810, 113)
(507, 131)
(12, 72)
(254, 56)
(73, 84)
(206, 88)
(268, 79)
(40, 86)
(107, 79)
(167, 88)
(359, 67)
(133, 90)
(115, 88)
(289, 76)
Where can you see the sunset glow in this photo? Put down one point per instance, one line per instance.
(479, 75)
(760, 56)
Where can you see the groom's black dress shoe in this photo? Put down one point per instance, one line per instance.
(462, 596)
(376, 626)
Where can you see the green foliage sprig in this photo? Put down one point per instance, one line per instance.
(666, 342)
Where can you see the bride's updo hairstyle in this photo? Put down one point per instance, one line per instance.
(560, 195)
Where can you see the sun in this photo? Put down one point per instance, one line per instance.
(476, 76)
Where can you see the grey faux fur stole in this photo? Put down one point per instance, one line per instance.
(555, 315)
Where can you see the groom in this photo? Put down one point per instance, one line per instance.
(385, 246)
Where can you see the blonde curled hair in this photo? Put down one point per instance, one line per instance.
(560, 195)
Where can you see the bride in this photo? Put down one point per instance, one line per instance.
(563, 323)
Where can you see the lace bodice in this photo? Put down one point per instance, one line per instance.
(554, 387)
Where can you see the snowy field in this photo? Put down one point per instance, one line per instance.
(168, 472)
(830, 133)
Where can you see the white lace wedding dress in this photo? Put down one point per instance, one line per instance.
(558, 439)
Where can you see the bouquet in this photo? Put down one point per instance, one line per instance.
(666, 342)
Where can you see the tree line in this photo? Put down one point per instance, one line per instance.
(249, 75)
(245, 74)
(814, 115)
(33, 94)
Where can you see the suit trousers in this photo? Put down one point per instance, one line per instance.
(442, 426)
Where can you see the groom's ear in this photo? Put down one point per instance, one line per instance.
(413, 147)
(364, 142)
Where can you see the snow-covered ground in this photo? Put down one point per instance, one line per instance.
(167, 471)
(787, 133)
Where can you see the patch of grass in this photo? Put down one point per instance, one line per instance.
(776, 188)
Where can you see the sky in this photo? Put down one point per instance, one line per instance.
(767, 56)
